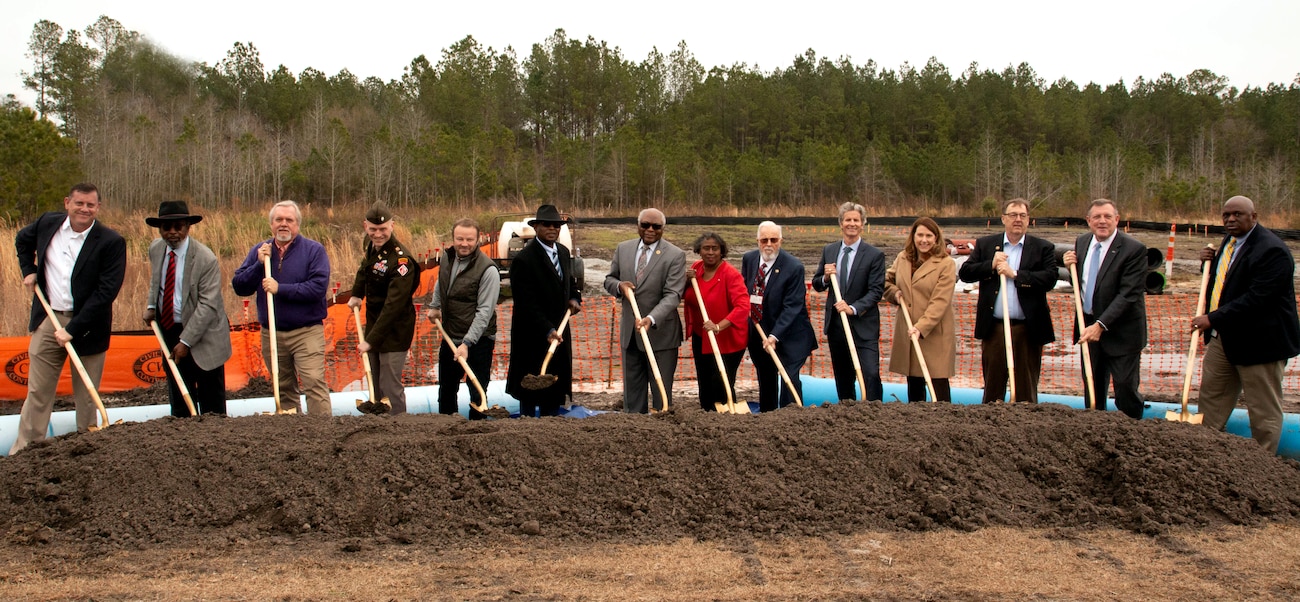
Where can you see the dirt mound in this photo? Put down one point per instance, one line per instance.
(437, 480)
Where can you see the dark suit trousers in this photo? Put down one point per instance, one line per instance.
(480, 361)
(712, 389)
(917, 391)
(846, 379)
(1124, 369)
(770, 386)
(1029, 365)
(207, 387)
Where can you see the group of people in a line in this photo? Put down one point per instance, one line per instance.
(1249, 322)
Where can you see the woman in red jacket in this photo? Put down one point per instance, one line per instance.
(727, 302)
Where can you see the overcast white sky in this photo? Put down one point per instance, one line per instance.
(1252, 42)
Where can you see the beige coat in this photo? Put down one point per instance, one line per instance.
(928, 294)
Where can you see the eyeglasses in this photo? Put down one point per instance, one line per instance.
(172, 225)
(1017, 215)
(650, 226)
(551, 224)
(768, 241)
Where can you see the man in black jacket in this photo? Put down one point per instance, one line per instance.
(79, 264)
(1029, 265)
(544, 286)
(1111, 278)
(1250, 326)
(386, 280)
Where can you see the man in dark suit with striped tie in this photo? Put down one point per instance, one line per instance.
(1250, 326)
(860, 268)
(1114, 269)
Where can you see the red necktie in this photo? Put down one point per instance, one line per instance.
(756, 309)
(166, 309)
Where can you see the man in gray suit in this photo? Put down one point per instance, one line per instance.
(185, 298)
(655, 272)
(1111, 278)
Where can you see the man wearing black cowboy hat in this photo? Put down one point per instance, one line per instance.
(544, 287)
(185, 298)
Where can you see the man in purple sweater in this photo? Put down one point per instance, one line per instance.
(299, 279)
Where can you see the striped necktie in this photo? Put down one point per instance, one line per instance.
(167, 308)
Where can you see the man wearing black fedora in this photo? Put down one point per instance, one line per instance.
(185, 299)
(544, 287)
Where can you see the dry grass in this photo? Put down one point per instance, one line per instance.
(1229, 563)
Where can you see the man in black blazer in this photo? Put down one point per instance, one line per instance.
(860, 268)
(1029, 264)
(79, 264)
(1114, 326)
(778, 302)
(1250, 326)
(542, 293)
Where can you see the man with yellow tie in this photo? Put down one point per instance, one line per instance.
(1251, 327)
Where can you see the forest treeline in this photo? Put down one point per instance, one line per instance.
(576, 123)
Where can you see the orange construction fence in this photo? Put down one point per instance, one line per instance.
(135, 361)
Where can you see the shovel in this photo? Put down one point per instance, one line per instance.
(848, 336)
(1184, 415)
(369, 406)
(76, 362)
(176, 371)
(534, 382)
(649, 352)
(780, 368)
(482, 408)
(1087, 357)
(1006, 331)
(731, 407)
(920, 357)
(275, 346)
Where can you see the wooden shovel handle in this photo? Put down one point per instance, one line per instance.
(649, 351)
(717, 353)
(176, 371)
(920, 357)
(1087, 356)
(365, 357)
(848, 336)
(780, 368)
(556, 344)
(275, 344)
(76, 359)
(482, 395)
(1006, 332)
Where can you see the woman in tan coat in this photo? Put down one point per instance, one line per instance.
(923, 277)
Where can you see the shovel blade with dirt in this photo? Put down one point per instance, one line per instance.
(536, 382)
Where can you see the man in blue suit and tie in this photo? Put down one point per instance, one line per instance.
(777, 297)
(860, 269)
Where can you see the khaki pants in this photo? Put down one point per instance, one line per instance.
(45, 362)
(302, 357)
(1222, 383)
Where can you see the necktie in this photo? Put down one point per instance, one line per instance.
(167, 308)
(760, 286)
(641, 262)
(556, 260)
(1219, 274)
(843, 269)
(1090, 283)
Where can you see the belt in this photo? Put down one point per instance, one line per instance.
(62, 313)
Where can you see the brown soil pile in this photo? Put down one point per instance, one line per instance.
(438, 480)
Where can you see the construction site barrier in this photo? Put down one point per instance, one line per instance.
(135, 361)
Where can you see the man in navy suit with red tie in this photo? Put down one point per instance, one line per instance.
(777, 295)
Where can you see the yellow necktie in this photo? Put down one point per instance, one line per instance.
(1224, 261)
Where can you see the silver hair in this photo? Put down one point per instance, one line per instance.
(640, 216)
(770, 224)
(270, 215)
(851, 206)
